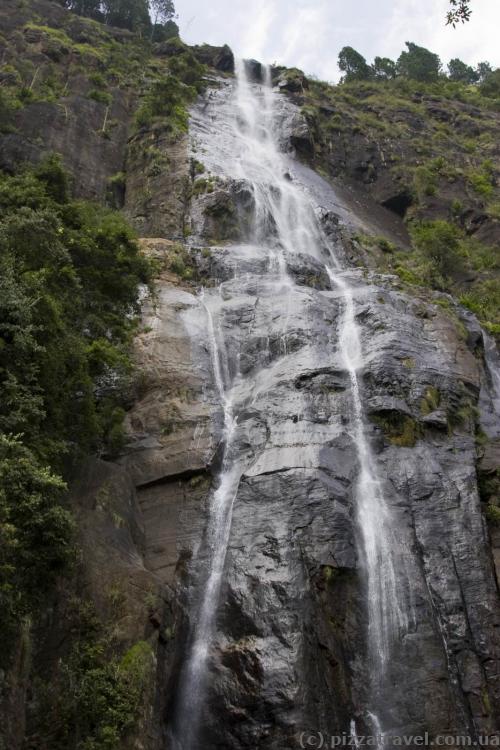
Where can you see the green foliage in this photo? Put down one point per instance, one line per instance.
(459, 71)
(353, 65)
(482, 180)
(128, 14)
(424, 182)
(69, 274)
(430, 400)
(203, 185)
(35, 534)
(96, 696)
(490, 86)
(168, 97)
(460, 12)
(8, 106)
(90, 8)
(103, 97)
(400, 429)
(418, 63)
(439, 242)
(483, 298)
(165, 31)
(493, 514)
(483, 70)
(180, 262)
(384, 69)
(163, 11)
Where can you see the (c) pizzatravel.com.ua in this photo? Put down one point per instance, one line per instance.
(322, 740)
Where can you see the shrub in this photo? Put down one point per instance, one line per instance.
(439, 241)
(482, 180)
(96, 694)
(100, 96)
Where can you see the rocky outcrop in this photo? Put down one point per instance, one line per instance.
(157, 183)
(375, 138)
(219, 58)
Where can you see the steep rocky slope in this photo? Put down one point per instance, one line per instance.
(289, 654)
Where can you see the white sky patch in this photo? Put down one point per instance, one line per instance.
(253, 43)
(310, 33)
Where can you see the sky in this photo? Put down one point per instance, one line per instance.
(308, 34)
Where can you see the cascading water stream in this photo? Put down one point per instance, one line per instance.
(285, 223)
(192, 683)
(386, 617)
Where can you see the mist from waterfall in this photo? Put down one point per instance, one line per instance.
(284, 223)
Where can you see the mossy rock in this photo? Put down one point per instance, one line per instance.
(430, 400)
(399, 429)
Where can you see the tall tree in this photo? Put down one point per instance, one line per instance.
(483, 70)
(353, 65)
(162, 11)
(419, 64)
(460, 71)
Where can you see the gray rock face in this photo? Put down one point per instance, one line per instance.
(289, 652)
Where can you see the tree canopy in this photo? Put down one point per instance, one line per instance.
(384, 68)
(459, 71)
(418, 63)
(353, 65)
(136, 15)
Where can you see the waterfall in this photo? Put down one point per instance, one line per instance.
(284, 223)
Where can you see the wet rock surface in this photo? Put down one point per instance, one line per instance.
(290, 646)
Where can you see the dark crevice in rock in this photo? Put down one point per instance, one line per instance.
(399, 203)
(182, 476)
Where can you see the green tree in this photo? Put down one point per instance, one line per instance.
(162, 12)
(483, 70)
(163, 31)
(384, 68)
(127, 14)
(89, 8)
(460, 71)
(490, 85)
(419, 64)
(353, 65)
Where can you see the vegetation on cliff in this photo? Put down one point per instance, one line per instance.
(69, 278)
(152, 17)
(96, 696)
(424, 145)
